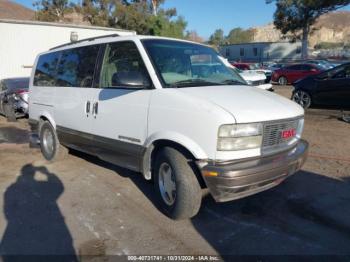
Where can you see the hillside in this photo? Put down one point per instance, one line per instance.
(333, 27)
(11, 10)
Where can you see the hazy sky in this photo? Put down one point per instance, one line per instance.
(205, 16)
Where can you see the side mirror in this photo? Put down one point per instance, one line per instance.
(132, 79)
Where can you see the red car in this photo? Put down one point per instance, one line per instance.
(242, 66)
(291, 73)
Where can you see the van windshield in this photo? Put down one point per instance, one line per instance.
(181, 64)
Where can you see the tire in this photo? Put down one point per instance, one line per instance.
(346, 117)
(50, 146)
(9, 113)
(172, 172)
(282, 80)
(302, 98)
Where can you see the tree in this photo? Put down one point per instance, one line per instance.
(238, 35)
(193, 36)
(217, 38)
(142, 16)
(297, 16)
(97, 12)
(138, 15)
(52, 10)
(155, 5)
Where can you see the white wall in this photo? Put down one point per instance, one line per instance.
(20, 43)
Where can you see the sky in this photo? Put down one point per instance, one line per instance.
(205, 16)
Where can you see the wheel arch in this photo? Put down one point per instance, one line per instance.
(47, 117)
(156, 145)
(312, 102)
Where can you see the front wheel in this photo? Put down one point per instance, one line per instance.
(49, 144)
(346, 117)
(302, 98)
(176, 184)
(282, 81)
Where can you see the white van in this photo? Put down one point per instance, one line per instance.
(168, 109)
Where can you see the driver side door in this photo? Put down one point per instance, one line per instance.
(120, 111)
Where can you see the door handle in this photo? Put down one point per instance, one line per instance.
(95, 109)
(87, 108)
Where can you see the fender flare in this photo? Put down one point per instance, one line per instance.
(172, 137)
(47, 115)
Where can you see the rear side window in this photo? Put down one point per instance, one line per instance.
(76, 67)
(46, 69)
(17, 83)
(306, 67)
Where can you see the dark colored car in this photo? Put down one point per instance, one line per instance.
(14, 97)
(329, 89)
(291, 73)
(322, 63)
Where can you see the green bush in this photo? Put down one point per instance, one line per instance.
(328, 45)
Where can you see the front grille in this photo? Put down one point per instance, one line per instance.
(272, 136)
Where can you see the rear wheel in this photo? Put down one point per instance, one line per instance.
(176, 184)
(282, 81)
(302, 98)
(49, 143)
(9, 112)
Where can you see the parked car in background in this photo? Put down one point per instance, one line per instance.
(275, 66)
(136, 102)
(291, 73)
(321, 63)
(329, 89)
(255, 79)
(256, 68)
(251, 77)
(14, 96)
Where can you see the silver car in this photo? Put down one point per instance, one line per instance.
(14, 97)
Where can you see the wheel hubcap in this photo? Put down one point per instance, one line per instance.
(48, 141)
(302, 98)
(167, 184)
(346, 117)
(282, 81)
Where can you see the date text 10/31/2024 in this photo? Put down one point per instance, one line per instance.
(174, 258)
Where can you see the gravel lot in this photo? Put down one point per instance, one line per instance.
(83, 206)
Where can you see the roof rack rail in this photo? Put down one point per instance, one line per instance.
(84, 40)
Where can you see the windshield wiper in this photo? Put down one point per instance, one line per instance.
(191, 83)
(232, 82)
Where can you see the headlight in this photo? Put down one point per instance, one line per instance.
(239, 137)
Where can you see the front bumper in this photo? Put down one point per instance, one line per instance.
(247, 177)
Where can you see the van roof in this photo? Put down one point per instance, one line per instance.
(111, 38)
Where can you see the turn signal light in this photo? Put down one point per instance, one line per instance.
(210, 173)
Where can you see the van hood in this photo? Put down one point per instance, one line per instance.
(247, 104)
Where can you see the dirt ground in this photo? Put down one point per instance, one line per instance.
(83, 206)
